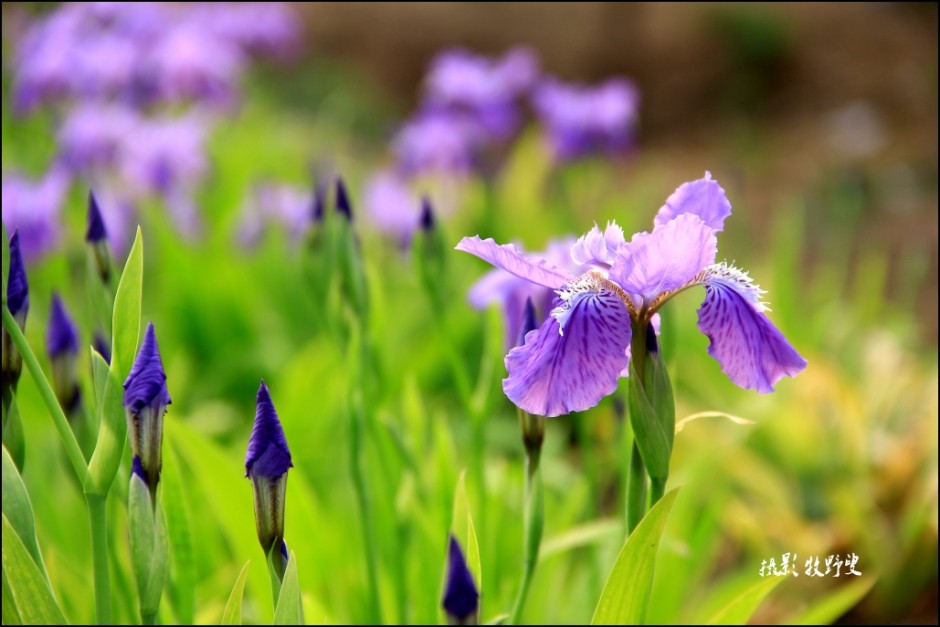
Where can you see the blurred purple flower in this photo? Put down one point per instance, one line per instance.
(284, 205)
(165, 153)
(91, 134)
(391, 206)
(262, 28)
(32, 208)
(488, 90)
(575, 358)
(188, 62)
(436, 142)
(580, 121)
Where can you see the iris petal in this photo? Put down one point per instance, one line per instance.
(666, 259)
(553, 374)
(704, 198)
(511, 260)
(751, 350)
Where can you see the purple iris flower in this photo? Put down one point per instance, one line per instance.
(32, 208)
(391, 206)
(165, 153)
(461, 598)
(92, 133)
(582, 121)
(487, 89)
(266, 463)
(263, 28)
(17, 286)
(268, 204)
(576, 356)
(145, 400)
(438, 142)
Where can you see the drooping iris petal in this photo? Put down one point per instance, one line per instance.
(511, 260)
(704, 198)
(751, 350)
(666, 259)
(598, 247)
(553, 374)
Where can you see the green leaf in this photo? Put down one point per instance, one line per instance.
(627, 590)
(28, 588)
(182, 579)
(14, 437)
(10, 613)
(159, 565)
(99, 372)
(125, 323)
(581, 535)
(19, 511)
(654, 443)
(833, 606)
(663, 401)
(465, 532)
(112, 435)
(289, 610)
(6, 264)
(740, 609)
(232, 615)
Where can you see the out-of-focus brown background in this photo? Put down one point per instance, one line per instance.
(819, 97)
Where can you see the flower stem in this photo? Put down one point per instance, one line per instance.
(534, 523)
(99, 548)
(72, 449)
(636, 490)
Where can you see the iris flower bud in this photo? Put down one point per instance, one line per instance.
(461, 599)
(62, 346)
(18, 304)
(266, 464)
(97, 238)
(145, 401)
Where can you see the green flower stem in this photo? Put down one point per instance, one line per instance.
(636, 490)
(533, 428)
(99, 549)
(72, 448)
(356, 426)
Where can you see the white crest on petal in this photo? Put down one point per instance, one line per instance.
(740, 280)
(598, 247)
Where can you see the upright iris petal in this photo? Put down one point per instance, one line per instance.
(597, 247)
(704, 198)
(751, 350)
(574, 359)
(266, 463)
(145, 401)
(664, 260)
(461, 599)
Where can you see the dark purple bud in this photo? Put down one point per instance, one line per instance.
(61, 334)
(343, 206)
(427, 215)
(652, 346)
(146, 384)
(317, 208)
(529, 321)
(268, 455)
(145, 401)
(267, 462)
(102, 346)
(461, 598)
(17, 287)
(96, 231)
(138, 469)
